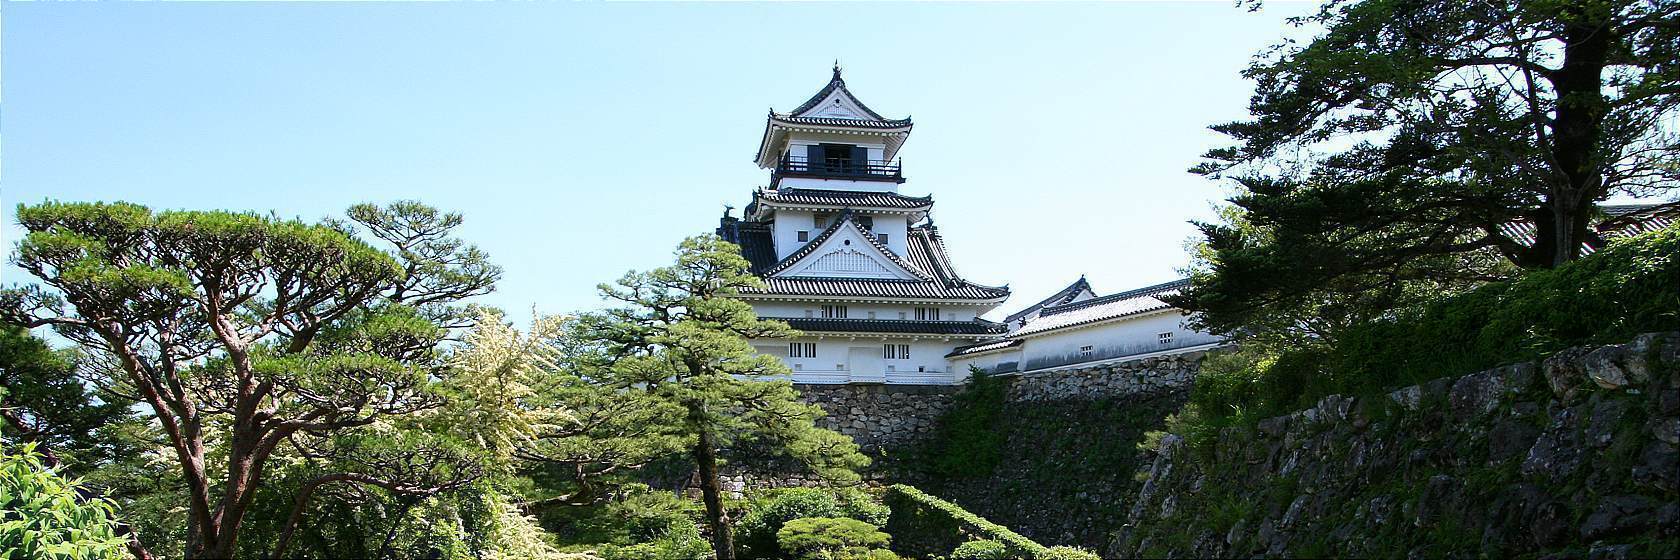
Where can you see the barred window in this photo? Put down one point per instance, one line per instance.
(802, 349)
(1165, 338)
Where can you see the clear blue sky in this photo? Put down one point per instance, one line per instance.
(584, 140)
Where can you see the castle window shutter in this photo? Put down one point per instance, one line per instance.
(860, 158)
(814, 156)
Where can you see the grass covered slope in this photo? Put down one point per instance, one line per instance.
(1630, 287)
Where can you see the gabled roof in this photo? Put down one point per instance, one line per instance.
(1065, 295)
(835, 85)
(832, 110)
(1113, 306)
(984, 347)
(837, 200)
(807, 324)
(926, 254)
(846, 219)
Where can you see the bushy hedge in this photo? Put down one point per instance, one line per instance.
(924, 525)
(1630, 287)
(827, 538)
(756, 534)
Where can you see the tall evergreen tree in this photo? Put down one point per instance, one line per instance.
(244, 333)
(683, 340)
(1388, 156)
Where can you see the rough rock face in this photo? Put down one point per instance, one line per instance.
(1573, 456)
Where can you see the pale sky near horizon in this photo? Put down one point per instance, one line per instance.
(584, 140)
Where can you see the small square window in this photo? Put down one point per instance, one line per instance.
(1086, 351)
(804, 236)
(1165, 338)
(808, 313)
(798, 367)
(901, 315)
(871, 314)
(882, 238)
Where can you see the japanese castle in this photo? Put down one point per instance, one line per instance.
(860, 269)
(849, 260)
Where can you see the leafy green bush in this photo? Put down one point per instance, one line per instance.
(755, 535)
(829, 537)
(1068, 553)
(42, 517)
(1630, 287)
(643, 523)
(981, 550)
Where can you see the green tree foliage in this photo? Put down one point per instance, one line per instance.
(683, 340)
(1385, 157)
(245, 333)
(43, 516)
(832, 538)
(1630, 287)
(42, 400)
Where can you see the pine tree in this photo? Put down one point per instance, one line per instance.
(682, 339)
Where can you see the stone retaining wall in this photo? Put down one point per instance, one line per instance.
(1145, 376)
(879, 416)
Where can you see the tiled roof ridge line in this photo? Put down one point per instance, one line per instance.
(1111, 298)
(1071, 290)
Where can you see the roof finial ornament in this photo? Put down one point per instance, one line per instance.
(727, 208)
(837, 69)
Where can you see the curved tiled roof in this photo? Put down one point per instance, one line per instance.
(977, 326)
(1057, 298)
(926, 255)
(832, 121)
(841, 199)
(1113, 306)
(984, 347)
(835, 83)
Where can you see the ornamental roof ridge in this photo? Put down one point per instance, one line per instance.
(1146, 291)
(835, 83)
(1060, 297)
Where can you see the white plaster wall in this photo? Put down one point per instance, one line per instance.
(959, 366)
(786, 230)
(1134, 336)
(926, 364)
(897, 229)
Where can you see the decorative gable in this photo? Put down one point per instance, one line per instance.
(845, 250)
(839, 104)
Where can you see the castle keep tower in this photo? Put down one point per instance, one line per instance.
(856, 266)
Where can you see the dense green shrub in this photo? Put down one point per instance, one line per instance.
(922, 521)
(966, 441)
(42, 517)
(1630, 287)
(981, 550)
(829, 537)
(755, 535)
(642, 523)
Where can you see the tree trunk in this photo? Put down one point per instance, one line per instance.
(1577, 131)
(711, 492)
